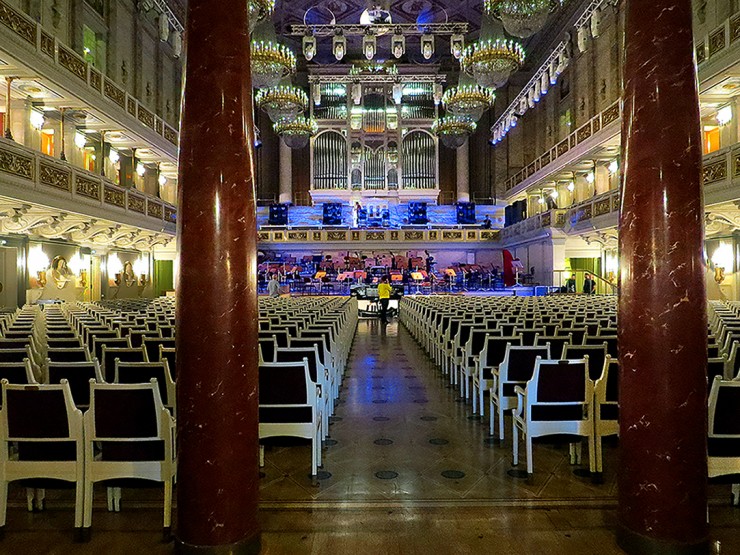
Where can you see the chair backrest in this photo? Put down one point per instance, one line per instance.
(307, 343)
(519, 360)
(63, 343)
(557, 343)
(136, 337)
(17, 372)
(724, 412)
(284, 383)
(15, 355)
(170, 355)
(78, 376)
(529, 334)
(612, 343)
(145, 372)
(110, 342)
(596, 356)
(79, 354)
(124, 354)
(125, 420)
(151, 344)
(43, 420)
(559, 389)
(606, 391)
(281, 336)
(497, 347)
(298, 354)
(577, 334)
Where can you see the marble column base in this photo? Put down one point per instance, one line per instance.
(637, 544)
(251, 546)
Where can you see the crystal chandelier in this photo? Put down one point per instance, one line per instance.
(491, 62)
(468, 100)
(258, 11)
(453, 131)
(271, 62)
(282, 103)
(297, 132)
(521, 18)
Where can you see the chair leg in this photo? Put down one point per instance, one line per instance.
(735, 496)
(109, 493)
(528, 446)
(480, 398)
(167, 503)
(3, 502)
(79, 502)
(501, 421)
(262, 456)
(39, 497)
(592, 454)
(87, 504)
(475, 399)
(515, 447)
(30, 492)
(490, 415)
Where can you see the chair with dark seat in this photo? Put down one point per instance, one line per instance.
(576, 333)
(136, 337)
(151, 344)
(143, 372)
(170, 355)
(110, 342)
(79, 354)
(491, 357)
(289, 405)
(63, 342)
(557, 343)
(596, 357)
(16, 355)
(124, 354)
(129, 435)
(78, 376)
(723, 446)
(316, 371)
(606, 408)
(17, 372)
(556, 402)
(530, 334)
(612, 343)
(516, 368)
(45, 426)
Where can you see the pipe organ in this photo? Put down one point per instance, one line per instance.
(369, 144)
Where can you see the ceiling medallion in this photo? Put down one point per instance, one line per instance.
(521, 18)
(271, 62)
(453, 131)
(468, 100)
(297, 132)
(259, 10)
(284, 102)
(491, 62)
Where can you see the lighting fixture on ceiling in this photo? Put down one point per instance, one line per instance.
(369, 45)
(398, 45)
(259, 10)
(339, 46)
(427, 46)
(491, 62)
(281, 103)
(468, 100)
(521, 18)
(453, 131)
(554, 194)
(309, 47)
(271, 63)
(457, 45)
(298, 132)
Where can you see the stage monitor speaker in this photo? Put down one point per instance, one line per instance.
(278, 214)
(332, 213)
(465, 212)
(418, 213)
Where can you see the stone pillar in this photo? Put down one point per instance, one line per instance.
(463, 173)
(217, 420)
(602, 178)
(286, 173)
(662, 304)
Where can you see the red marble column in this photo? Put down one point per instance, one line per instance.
(662, 304)
(217, 420)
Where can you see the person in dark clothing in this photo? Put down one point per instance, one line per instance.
(487, 222)
(570, 285)
(589, 285)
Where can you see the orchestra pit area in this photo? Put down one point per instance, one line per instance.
(430, 418)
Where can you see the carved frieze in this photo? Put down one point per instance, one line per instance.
(452, 235)
(583, 133)
(602, 207)
(394, 236)
(170, 134)
(298, 235)
(131, 106)
(563, 147)
(16, 164)
(154, 209)
(316, 235)
(263, 236)
(55, 177)
(715, 171)
(336, 235)
(115, 197)
(413, 235)
(14, 21)
(610, 114)
(717, 41)
(489, 235)
(170, 214)
(69, 60)
(87, 187)
(158, 126)
(375, 236)
(114, 93)
(701, 53)
(47, 44)
(546, 219)
(95, 79)
(146, 117)
(734, 29)
(137, 203)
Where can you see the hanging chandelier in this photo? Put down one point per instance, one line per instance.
(491, 62)
(258, 11)
(521, 18)
(468, 100)
(271, 62)
(297, 132)
(284, 102)
(453, 131)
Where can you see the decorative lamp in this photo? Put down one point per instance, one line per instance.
(80, 140)
(457, 44)
(271, 62)
(259, 10)
(37, 119)
(309, 47)
(316, 94)
(339, 46)
(723, 261)
(162, 180)
(571, 186)
(397, 93)
(296, 133)
(284, 102)
(453, 131)
(398, 45)
(438, 93)
(468, 100)
(369, 46)
(521, 18)
(491, 62)
(582, 39)
(164, 28)
(113, 156)
(176, 44)
(427, 46)
(596, 23)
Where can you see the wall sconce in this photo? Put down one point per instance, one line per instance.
(397, 93)
(398, 45)
(38, 263)
(115, 268)
(141, 269)
(316, 94)
(113, 156)
(571, 186)
(613, 167)
(724, 115)
(37, 119)
(79, 264)
(140, 169)
(590, 177)
(427, 46)
(309, 47)
(162, 179)
(80, 140)
(722, 260)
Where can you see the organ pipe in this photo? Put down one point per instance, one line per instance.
(419, 164)
(330, 161)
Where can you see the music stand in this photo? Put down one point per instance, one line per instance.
(517, 265)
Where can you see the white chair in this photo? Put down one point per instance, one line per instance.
(606, 408)
(129, 434)
(723, 444)
(44, 423)
(558, 400)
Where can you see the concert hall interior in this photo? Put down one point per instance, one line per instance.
(379, 276)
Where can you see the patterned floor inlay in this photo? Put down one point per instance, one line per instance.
(386, 474)
(383, 441)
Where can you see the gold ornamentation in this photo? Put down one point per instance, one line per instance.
(610, 114)
(563, 147)
(170, 134)
(55, 177)
(489, 235)
(170, 214)
(336, 236)
(146, 117)
(47, 44)
(602, 207)
(716, 171)
(298, 236)
(471, 236)
(546, 219)
(14, 21)
(394, 235)
(413, 235)
(137, 203)
(263, 236)
(734, 29)
(316, 236)
(736, 171)
(355, 235)
(433, 235)
(701, 53)
(717, 41)
(154, 209)
(114, 93)
(131, 106)
(96, 79)
(452, 235)
(158, 126)
(87, 187)
(278, 236)
(583, 133)
(70, 61)
(615, 203)
(375, 235)
(115, 197)
(16, 164)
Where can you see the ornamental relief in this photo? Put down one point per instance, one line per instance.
(114, 93)
(716, 171)
(263, 236)
(146, 117)
(115, 197)
(734, 29)
(413, 235)
(602, 207)
(47, 44)
(610, 114)
(55, 177)
(170, 135)
(452, 235)
(298, 235)
(717, 41)
(375, 235)
(87, 187)
(95, 79)
(70, 61)
(154, 209)
(170, 214)
(17, 23)
(336, 236)
(16, 164)
(137, 204)
(583, 133)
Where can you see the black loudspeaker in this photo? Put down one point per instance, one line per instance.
(278, 214)
(418, 213)
(465, 212)
(332, 213)
(508, 211)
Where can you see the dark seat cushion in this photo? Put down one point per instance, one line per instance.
(282, 415)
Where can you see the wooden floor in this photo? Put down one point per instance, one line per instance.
(407, 470)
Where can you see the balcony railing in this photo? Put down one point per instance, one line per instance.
(29, 170)
(717, 41)
(49, 48)
(551, 218)
(357, 236)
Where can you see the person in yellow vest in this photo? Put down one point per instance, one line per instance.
(384, 294)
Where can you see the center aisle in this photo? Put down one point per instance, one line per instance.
(401, 434)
